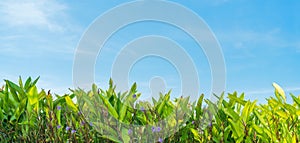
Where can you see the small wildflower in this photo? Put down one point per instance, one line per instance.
(193, 122)
(58, 127)
(73, 131)
(58, 107)
(160, 140)
(82, 123)
(68, 128)
(79, 113)
(142, 109)
(129, 131)
(91, 124)
(158, 129)
(134, 95)
(153, 129)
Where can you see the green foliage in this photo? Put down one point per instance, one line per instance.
(30, 115)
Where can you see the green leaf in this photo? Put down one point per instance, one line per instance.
(123, 111)
(294, 139)
(125, 136)
(27, 83)
(296, 100)
(199, 106)
(20, 82)
(1, 114)
(248, 108)
(95, 89)
(20, 109)
(237, 130)
(35, 81)
(163, 103)
(111, 109)
(58, 115)
(260, 118)
(257, 129)
(14, 89)
(71, 104)
(33, 95)
(196, 135)
(232, 114)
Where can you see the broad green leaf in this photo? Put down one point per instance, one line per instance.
(35, 81)
(95, 89)
(234, 98)
(296, 100)
(12, 90)
(125, 136)
(71, 104)
(123, 111)
(237, 130)
(58, 114)
(196, 134)
(111, 109)
(294, 139)
(133, 88)
(112, 138)
(27, 84)
(245, 112)
(100, 127)
(232, 114)
(33, 95)
(164, 101)
(257, 129)
(260, 118)
(15, 87)
(199, 106)
(20, 109)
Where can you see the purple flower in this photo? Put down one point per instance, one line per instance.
(79, 113)
(58, 127)
(193, 122)
(129, 131)
(158, 129)
(58, 107)
(134, 95)
(153, 129)
(91, 124)
(73, 131)
(82, 123)
(68, 128)
(142, 109)
(160, 140)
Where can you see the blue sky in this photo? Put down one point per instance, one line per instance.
(260, 42)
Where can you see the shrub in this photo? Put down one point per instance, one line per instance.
(29, 115)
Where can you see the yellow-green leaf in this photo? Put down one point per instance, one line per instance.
(279, 90)
(33, 95)
(294, 140)
(195, 133)
(111, 109)
(71, 104)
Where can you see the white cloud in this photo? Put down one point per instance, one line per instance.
(40, 13)
(36, 27)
